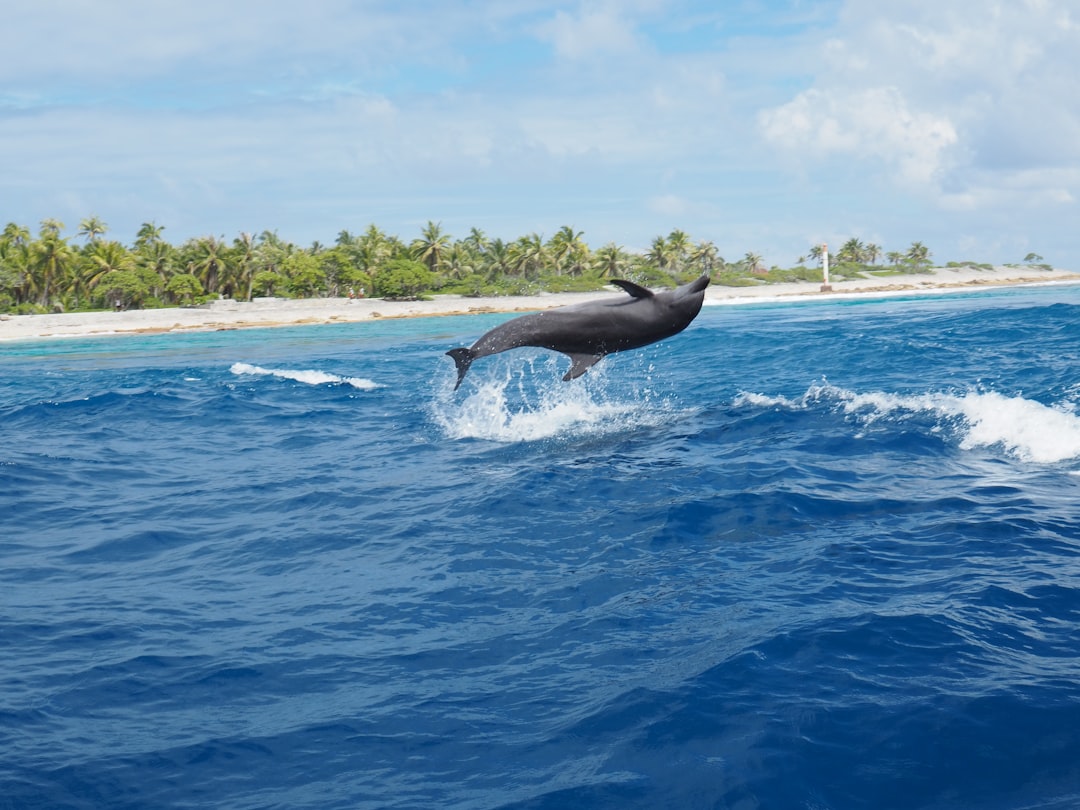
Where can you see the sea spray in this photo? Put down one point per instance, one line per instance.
(526, 400)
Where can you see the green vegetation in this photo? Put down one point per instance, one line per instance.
(49, 273)
(1035, 260)
(857, 260)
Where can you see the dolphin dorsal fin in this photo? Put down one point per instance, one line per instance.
(636, 290)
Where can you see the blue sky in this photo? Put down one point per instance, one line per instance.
(761, 125)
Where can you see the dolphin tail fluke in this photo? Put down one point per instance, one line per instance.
(463, 359)
(581, 364)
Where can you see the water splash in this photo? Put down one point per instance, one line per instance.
(522, 403)
(1024, 428)
(309, 377)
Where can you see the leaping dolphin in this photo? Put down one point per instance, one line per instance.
(589, 331)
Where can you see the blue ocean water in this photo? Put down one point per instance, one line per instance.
(804, 555)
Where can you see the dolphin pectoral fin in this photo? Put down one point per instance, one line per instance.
(582, 363)
(636, 290)
(463, 358)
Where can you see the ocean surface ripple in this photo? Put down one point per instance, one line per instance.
(818, 555)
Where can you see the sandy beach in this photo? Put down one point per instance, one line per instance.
(229, 314)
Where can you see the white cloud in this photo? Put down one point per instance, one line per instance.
(183, 51)
(1025, 189)
(669, 205)
(972, 103)
(872, 123)
(592, 32)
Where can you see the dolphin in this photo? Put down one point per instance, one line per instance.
(587, 332)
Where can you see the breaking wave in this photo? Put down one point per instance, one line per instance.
(1024, 428)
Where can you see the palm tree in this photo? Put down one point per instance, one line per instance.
(269, 254)
(148, 235)
(431, 245)
(558, 247)
(14, 260)
(564, 247)
(872, 253)
(92, 228)
(272, 239)
(611, 260)
(158, 257)
(209, 265)
(528, 255)
(705, 256)
(458, 263)
(51, 257)
(852, 251)
(244, 260)
(579, 259)
(18, 235)
(660, 253)
(753, 262)
(476, 241)
(918, 254)
(498, 259)
(103, 258)
(679, 244)
(372, 250)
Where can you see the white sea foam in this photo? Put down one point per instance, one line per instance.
(525, 406)
(1030, 430)
(310, 377)
(1023, 428)
(766, 401)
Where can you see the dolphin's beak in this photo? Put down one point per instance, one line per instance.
(695, 286)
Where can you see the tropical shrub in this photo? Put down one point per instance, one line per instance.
(184, 287)
(403, 279)
(122, 289)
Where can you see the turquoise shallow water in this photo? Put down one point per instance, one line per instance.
(820, 555)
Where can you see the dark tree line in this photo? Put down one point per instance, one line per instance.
(51, 272)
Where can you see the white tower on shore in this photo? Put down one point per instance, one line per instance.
(826, 287)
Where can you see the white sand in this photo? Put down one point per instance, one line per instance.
(287, 312)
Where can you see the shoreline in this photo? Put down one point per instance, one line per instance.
(272, 312)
